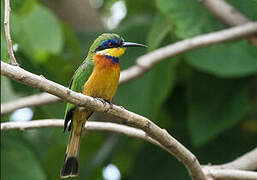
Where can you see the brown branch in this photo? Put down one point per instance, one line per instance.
(162, 136)
(147, 61)
(30, 101)
(7, 33)
(89, 126)
(246, 162)
(240, 168)
(227, 174)
(227, 14)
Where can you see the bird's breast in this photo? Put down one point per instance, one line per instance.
(104, 80)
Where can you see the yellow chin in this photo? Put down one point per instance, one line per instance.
(115, 52)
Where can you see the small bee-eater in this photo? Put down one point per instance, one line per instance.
(98, 76)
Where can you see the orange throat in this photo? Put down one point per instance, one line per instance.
(105, 61)
(104, 80)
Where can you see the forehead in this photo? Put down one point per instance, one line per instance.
(113, 40)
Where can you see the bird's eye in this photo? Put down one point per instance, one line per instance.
(110, 44)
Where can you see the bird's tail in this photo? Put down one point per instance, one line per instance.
(70, 166)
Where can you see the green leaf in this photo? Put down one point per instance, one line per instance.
(71, 41)
(121, 159)
(37, 32)
(151, 162)
(25, 7)
(18, 161)
(189, 17)
(215, 105)
(135, 7)
(161, 82)
(4, 50)
(7, 92)
(158, 32)
(247, 8)
(225, 60)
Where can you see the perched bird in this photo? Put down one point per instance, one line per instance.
(98, 76)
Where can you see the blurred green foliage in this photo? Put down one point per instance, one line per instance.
(205, 98)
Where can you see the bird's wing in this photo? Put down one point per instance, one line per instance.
(77, 84)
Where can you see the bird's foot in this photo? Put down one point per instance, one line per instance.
(105, 101)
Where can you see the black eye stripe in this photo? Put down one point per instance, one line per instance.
(114, 45)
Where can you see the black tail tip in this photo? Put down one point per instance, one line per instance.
(70, 168)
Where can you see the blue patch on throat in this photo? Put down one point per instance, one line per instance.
(114, 59)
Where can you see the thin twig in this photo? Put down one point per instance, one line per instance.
(227, 14)
(246, 162)
(7, 33)
(29, 101)
(89, 126)
(162, 136)
(226, 174)
(147, 61)
(144, 63)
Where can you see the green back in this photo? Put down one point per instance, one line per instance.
(78, 80)
(84, 71)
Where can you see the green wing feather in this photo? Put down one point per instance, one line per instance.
(77, 84)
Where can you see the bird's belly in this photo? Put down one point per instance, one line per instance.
(103, 82)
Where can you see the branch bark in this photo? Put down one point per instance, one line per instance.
(226, 174)
(7, 33)
(246, 162)
(30, 101)
(228, 15)
(146, 62)
(130, 118)
(89, 126)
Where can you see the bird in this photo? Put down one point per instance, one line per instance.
(98, 77)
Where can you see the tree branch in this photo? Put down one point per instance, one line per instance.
(237, 169)
(218, 174)
(7, 33)
(29, 101)
(147, 61)
(89, 126)
(227, 14)
(246, 162)
(130, 118)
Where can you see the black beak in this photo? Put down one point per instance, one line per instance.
(131, 44)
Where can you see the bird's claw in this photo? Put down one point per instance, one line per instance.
(102, 100)
(105, 101)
